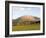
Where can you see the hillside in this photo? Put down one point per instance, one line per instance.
(26, 20)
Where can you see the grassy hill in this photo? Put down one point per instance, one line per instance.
(26, 23)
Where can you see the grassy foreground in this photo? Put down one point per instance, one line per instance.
(26, 27)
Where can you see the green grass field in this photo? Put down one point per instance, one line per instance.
(26, 27)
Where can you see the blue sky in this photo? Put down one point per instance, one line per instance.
(21, 11)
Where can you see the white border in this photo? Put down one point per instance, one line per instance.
(24, 32)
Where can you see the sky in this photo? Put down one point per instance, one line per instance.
(21, 11)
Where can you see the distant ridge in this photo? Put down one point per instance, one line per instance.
(27, 19)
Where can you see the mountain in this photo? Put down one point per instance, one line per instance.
(26, 19)
(29, 18)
